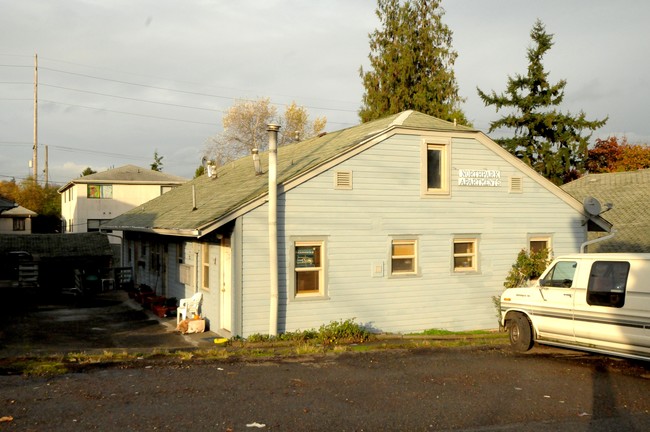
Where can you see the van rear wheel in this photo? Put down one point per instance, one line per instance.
(521, 335)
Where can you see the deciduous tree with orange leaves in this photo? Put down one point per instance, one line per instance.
(610, 155)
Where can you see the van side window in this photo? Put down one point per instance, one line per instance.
(607, 283)
(560, 276)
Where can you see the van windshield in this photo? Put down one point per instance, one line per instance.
(561, 275)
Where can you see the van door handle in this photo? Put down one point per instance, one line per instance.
(567, 295)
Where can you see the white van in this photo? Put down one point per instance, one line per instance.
(592, 302)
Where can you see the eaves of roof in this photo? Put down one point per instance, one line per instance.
(127, 174)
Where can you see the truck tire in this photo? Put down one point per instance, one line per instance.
(521, 335)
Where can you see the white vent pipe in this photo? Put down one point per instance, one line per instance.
(273, 129)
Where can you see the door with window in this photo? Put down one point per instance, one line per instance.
(599, 312)
(225, 296)
(555, 315)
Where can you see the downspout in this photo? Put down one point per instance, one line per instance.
(598, 240)
(273, 129)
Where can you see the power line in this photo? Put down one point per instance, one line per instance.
(126, 113)
(132, 99)
(180, 91)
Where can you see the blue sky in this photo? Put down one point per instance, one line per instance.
(120, 80)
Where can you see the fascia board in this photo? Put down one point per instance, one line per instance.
(541, 180)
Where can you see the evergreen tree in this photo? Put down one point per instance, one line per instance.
(88, 171)
(546, 139)
(157, 162)
(412, 63)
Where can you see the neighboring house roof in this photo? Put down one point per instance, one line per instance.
(5, 204)
(629, 192)
(127, 174)
(18, 211)
(204, 204)
(76, 245)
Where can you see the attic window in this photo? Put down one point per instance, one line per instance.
(516, 184)
(343, 180)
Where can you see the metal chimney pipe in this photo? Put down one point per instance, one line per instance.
(256, 161)
(273, 129)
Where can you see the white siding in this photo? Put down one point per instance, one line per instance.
(385, 201)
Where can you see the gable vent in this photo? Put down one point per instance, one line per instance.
(516, 184)
(343, 180)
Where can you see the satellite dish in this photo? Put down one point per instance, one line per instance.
(592, 206)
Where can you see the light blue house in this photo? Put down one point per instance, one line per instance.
(405, 223)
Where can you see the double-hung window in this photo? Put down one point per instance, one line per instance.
(309, 268)
(465, 255)
(403, 259)
(435, 168)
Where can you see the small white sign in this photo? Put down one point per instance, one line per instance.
(481, 178)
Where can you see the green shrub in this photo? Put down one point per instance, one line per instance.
(529, 265)
(344, 331)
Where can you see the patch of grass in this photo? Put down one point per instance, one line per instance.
(304, 348)
(442, 332)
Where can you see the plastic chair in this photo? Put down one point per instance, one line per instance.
(188, 306)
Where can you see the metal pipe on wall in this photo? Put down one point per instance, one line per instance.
(273, 129)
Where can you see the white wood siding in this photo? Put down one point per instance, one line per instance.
(385, 201)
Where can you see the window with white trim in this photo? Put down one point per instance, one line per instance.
(309, 268)
(403, 257)
(537, 244)
(94, 225)
(435, 168)
(100, 191)
(465, 255)
(205, 280)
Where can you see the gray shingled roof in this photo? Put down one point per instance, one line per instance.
(79, 245)
(19, 211)
(237, 185)
(5, 204)
(629, 192)
(127, 174)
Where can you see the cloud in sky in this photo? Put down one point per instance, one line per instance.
(120, 80)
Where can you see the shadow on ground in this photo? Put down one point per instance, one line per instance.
(31, 323)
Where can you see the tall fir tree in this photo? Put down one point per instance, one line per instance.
(411, 60)
(548, 140)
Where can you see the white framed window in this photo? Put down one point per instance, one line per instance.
(94, 225)
(309, 268)
(100, 191)
(186, 274)
(205, 261)
(465, 255)
(403, 257)
(435, 172)
(538, 243)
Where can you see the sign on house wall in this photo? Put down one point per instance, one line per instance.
(481, 178)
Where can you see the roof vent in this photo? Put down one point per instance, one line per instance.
(343, 180)
(211, 169)
(516, 185)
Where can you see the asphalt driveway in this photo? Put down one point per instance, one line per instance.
(109, 320)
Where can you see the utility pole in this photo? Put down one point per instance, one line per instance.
(35, 156)
(45, 170)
